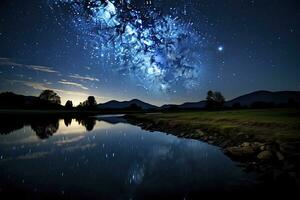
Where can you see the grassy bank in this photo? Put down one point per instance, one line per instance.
(267, 141)
(262, 125)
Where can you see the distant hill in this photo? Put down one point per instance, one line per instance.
(281, 97)
(9, 100)
(188, 105)
(125, 104)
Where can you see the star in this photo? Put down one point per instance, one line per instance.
(169, 51)
(220, 48)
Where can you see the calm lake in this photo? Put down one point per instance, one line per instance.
(106, 158)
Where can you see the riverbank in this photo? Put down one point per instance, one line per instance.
(267, 141)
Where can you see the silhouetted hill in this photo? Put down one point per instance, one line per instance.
(9, 100)
(188, 105)
(281, 97)
(259, 97)
(125, 104)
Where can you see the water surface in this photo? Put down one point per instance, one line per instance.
(106, 158)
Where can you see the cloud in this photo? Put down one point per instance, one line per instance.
(40, 86)
(88, 78)
(37, 86)
(73, 84)
(79, 147)
(65, 94)
(9, 62)
(42, 68)
(29, 156)
(35, 155)
(68, 141)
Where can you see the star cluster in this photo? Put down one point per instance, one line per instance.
(157, 50)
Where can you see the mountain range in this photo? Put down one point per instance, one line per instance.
(125, 104)
(11, 100)
(281, 97)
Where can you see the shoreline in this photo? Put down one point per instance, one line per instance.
(268, 159)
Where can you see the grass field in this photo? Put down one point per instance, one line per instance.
(264, 125)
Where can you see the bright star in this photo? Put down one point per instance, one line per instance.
(220, 48)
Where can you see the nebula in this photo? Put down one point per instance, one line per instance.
(156, 49)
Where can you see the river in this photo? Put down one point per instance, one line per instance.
(104, 157)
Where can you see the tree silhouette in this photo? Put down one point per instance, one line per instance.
(87, 122)
(50, 96)
(219, 100)
(69, 104)
(89, 103)
(68, 121)
(214, 100)
(45, 128)
(210, 100)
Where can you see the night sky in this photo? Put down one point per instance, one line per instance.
(160, 51)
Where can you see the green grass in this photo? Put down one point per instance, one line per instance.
(264, 125)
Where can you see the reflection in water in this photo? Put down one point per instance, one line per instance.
(8, 126)
(88, 123)
(89, 158)
(68, 121)
(44, 127)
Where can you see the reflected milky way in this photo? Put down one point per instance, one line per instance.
(113, 161)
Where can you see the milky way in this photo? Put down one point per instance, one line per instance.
(159, 51)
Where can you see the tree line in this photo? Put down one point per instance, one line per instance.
(53, 97)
